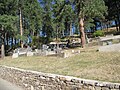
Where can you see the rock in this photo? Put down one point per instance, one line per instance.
(32, 88)
(62, 78)
(26, 85)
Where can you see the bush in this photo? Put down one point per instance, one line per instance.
(98, 33)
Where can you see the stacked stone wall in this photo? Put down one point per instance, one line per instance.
(33, 80)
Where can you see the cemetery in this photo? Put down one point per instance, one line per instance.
(60, 44)
(53, 49)
(105, 44)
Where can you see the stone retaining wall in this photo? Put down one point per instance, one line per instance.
(32, 80)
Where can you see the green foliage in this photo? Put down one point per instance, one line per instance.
(23, 38)
(98, 33)
(35, 41)
(7, 14)
(31, 12)
(52, 17)
(8, 7)
(92, 9)
(47, 23)
(113, 12)
(113, 8)
(8, 21)
(64, 16)
(88, 23)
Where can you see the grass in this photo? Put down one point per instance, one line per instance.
(88, 64)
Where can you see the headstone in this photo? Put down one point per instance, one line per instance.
(19, 52)
(29, 48)
(30, 53)
(44, 47)
(16, 51)
(15, 55)
(38, 51)
(22, 51)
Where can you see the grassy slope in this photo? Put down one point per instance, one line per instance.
(89, 65)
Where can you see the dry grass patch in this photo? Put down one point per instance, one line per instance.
(87, 64)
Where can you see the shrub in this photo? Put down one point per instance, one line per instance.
(98, 33)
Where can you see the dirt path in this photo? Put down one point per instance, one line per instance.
(5, 85)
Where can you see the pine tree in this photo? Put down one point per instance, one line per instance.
(63, 17)
(7, 21)
(114, 11)
(30, 18)
(47, 23)
(10, 23)
(87, 9)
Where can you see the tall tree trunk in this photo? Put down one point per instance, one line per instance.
(7, 39)
(118, 22)
(82, 33)
(116, 25)
(15, 41)
(2, 46)
(63, 34)
(56, 33)
(2, 51)
(101, 24)
(107, 24)
(70, 28)
(12, 41)
(21, 28)
(118, 13)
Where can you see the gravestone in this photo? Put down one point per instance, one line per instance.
(15, 55)
(29, 49)
(38, 51)
(22, 51)
(44, 47)
(30, 53)
(44, 50)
